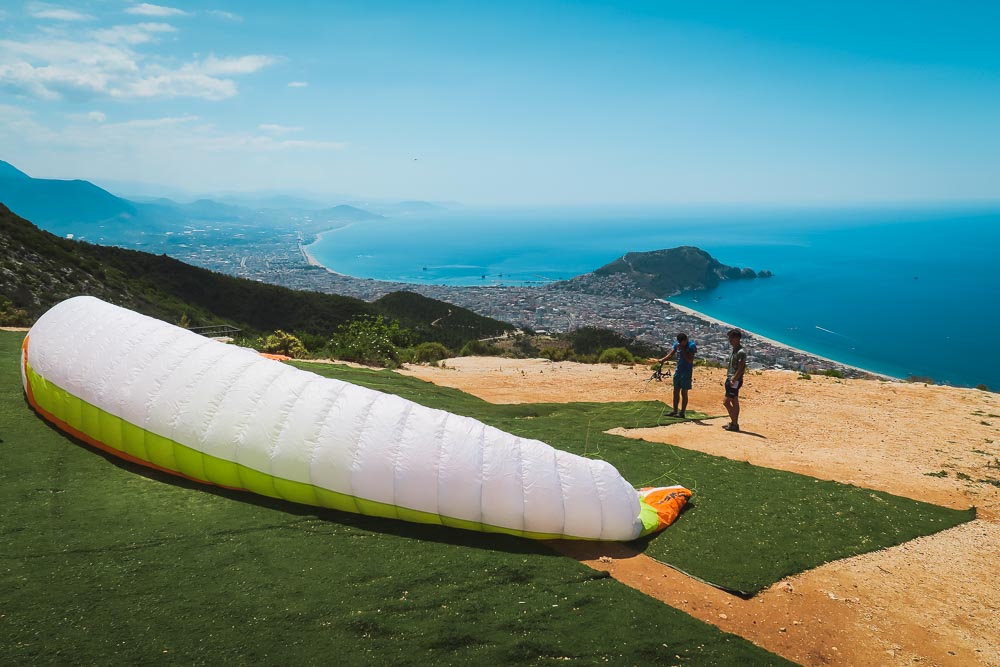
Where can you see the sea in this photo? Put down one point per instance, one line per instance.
(902, 291)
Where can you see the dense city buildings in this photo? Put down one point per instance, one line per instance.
(280, 258)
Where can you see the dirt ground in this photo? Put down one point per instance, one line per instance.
(931, 601)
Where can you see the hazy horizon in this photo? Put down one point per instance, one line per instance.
(525, 103)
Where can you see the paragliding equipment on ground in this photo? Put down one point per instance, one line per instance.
(657, 375)
(657, 372)
(164, 397)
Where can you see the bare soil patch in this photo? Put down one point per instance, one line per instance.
(934, 600)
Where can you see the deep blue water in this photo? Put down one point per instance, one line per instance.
(901, 292)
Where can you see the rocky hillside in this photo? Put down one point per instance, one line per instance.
(658, 274)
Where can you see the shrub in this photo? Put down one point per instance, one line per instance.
(312, 342)
(477, 348)
(557, 354)
(369, 340)
(281, 342)
(832, 372)
(591, 340)
(616, 355)
(11, 316)
(524, 348)
(429, 353)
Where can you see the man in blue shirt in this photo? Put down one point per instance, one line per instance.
(684, 350)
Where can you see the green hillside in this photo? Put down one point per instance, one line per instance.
(437, 320)
(38, 269)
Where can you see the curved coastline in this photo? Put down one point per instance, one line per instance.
(311, 261)
(775, 343)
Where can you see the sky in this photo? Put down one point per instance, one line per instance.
(518, 103)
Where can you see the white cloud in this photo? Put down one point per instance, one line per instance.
(107, 65)
(278, 129)
(138, 33)
(146, 123)
(147, 9)
(90, 116)
(242, 65)
(256, 143)
(298, 84)
(167, 135)
(41, 10)
(226, 16)
(20, 125)
(186, 151)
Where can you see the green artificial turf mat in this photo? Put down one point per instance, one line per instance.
(106, 562)
(746, 527)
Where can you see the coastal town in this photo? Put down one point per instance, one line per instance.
(282, 258)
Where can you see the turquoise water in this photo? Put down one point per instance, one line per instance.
(901, 292)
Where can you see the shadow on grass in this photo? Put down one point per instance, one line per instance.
(585, 550)
(396, 527)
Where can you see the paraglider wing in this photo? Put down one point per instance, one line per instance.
(165, 397)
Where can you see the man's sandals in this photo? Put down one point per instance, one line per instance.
(735, 428)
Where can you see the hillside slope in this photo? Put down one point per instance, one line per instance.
(38, 269)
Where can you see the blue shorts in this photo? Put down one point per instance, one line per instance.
(732, 391)
(682, 380)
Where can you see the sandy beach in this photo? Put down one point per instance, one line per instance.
(771, 341)
(310, 260)
(930, 601)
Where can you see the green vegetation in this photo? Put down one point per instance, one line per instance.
(592, 341)
(478, 348)
(616, 355)
(11, 316)
(281, 342)
(588, 345)
(106, 562)
(437, 321)
(430, 353)
(370, 340)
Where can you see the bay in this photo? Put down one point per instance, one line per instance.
(900, 291)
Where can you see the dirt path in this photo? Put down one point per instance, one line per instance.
(932, 601)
